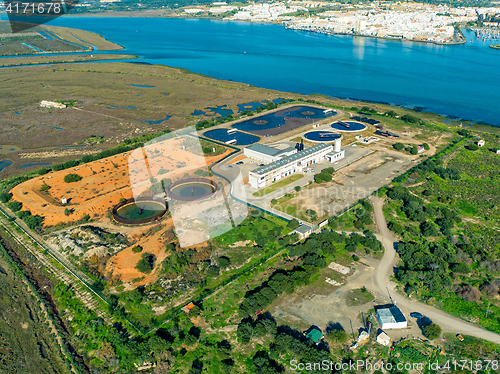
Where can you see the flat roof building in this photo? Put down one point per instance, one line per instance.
(263, 153)
(303, 231)
(391, 317)
(288, 165)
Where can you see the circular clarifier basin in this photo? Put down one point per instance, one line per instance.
(322, 136)
(192, 189)
(138, 212)
(348, 126)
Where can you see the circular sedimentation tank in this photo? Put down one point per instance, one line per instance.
(348, 126)
(192, 189)
(322, 136)
(131, 212)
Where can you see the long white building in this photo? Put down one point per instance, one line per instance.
(266, 175)
(265, 154)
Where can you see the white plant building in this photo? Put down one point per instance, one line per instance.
(294, 163)
(265, 154)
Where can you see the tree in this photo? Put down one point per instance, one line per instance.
(194, 312)
(44, 188)
(293, 224)
(68, 212)
(274, 202)
(297, 188)
(398, 146)
(338, 335)
(71, 178)
(428, 229)
(33, 221)
(146, 263)
(426, 146)
(432, 331)
(213, 271)
(223, 262)
(244, 331)
(414, 150)
(158, 345)
(472, 147)
(15, 206)
(5, 197)
(396, 227)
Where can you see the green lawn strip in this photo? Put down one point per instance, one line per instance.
(278, 185)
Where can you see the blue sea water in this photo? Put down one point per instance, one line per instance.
(460, 80)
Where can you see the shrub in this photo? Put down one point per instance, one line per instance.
(409, 118)
(70, 178)
(15, 206)
(472, 147)
(432, 331)
(137, 249)
(460, 268)
(398, 146)
(68, 212)
(44, 188)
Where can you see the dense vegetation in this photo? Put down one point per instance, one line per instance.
(446, 214)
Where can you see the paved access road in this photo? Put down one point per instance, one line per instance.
(384, 271)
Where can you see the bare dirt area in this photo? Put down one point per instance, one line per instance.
(121, 267)
(103, 183)
(353, 182)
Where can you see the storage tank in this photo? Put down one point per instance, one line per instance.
(337, 145)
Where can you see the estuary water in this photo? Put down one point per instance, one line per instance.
(458, 80)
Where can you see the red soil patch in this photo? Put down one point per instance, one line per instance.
(105, 182)
(236, 159)
(122, 265)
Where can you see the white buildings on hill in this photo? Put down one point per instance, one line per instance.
(289, 164)
(265, 154)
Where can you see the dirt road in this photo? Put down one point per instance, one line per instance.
(382, 280)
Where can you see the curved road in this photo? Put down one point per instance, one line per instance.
(384, 270)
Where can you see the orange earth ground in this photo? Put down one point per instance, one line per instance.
(122, 265)
(105, 182)
(236, 159)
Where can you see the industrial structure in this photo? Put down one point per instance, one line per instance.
(391, 317)
(265, 154)
(289, 164)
